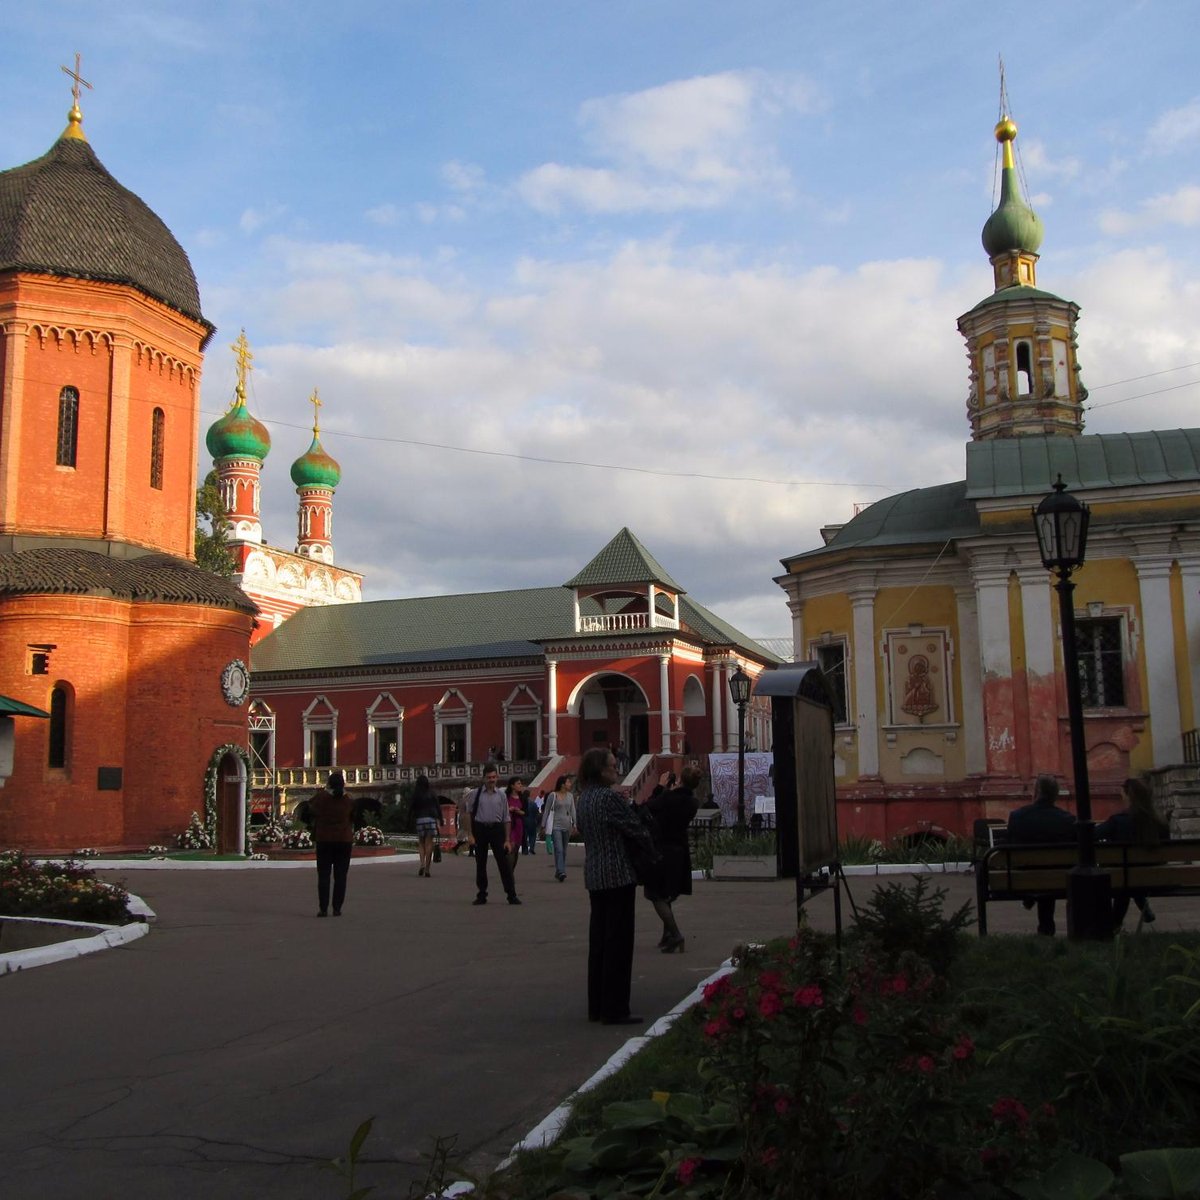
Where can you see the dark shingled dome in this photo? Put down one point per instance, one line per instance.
(49, 570)
(64, 214)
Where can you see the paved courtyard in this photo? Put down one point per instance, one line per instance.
(241, 1043)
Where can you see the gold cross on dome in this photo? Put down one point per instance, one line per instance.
(75, 75)
(241, 351)
(315, 401)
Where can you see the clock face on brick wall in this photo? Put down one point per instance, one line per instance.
(235, 683)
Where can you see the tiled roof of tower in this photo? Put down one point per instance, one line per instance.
(478, 625)
(623, 560)
(64, 214)
(61, 571)
(1028, 466)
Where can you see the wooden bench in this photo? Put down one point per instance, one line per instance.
(1020, 872)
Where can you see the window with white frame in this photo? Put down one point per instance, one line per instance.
(452, 727)
(522, 724)
(1100, 642)
(385, 729)
(320, 734)
(831, 658)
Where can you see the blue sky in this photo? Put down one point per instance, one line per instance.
(707, 241)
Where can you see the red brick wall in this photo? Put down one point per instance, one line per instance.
(126, 355)
(147, 698)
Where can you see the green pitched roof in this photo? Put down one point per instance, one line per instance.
(429, 629)
(1028, 466)
(15, 708)
(623, 560)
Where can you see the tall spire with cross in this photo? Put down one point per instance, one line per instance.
(74, 127)
(241, 351)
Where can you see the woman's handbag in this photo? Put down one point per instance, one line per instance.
(644, 860)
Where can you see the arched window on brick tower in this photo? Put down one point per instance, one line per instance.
(68, 427)
(157, 437)
(59, 747)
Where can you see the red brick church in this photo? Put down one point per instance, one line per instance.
(105, 621)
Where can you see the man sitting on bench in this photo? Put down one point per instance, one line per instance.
(1040, 822)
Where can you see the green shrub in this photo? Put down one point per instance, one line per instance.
(906, 919)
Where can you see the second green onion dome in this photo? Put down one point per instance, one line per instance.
(315, 468)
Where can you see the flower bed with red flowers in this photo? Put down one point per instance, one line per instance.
(1016, 1069)
(64, 890)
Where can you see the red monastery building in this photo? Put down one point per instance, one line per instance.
(391, 688)
(105, 621)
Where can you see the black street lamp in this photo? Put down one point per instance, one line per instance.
(1061, 523)
(739, 689)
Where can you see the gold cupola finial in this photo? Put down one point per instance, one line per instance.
(315, 401)
(74, 127)
(241, 351)
(1006, 133)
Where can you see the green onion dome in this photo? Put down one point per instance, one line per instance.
(237, 434)
(315, 468)
(1014, 226)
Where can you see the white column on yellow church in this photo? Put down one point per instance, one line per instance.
(974, 743)
(799, 646)
(866, 703)
(995, 657)
(665, 699)
(1158, 639)
(1041, 680)
(1189, 575)
(552, 705)
(14, 333)
(718, 710)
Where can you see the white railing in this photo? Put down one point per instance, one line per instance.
(389, 775)
(620, 622)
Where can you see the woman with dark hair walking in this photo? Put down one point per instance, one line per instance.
(515, 796)
(332, 812)
(559, 820)
(426, 812)
(672, 812)
(608, 824)
(1137, 825)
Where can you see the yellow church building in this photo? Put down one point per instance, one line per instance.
(936, 623)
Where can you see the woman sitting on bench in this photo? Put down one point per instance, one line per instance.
(1137, 825)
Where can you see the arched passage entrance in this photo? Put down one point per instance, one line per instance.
(612, 708)
(226, 799)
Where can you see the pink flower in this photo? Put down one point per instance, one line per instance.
(771, 981)
(782, 1105)
(687, 1169)
(859, 1016)
(769, 1005)
(718, 987)
(963, 1048)
(897, 985)
(1008, 1108)
(926, 1065)
(809, 996)
(714, 1029)
(769, 1157)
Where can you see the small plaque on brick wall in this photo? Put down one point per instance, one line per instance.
(108, 779)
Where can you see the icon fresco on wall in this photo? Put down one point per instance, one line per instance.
(917, 670)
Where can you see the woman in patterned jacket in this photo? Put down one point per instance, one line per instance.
(608, 824)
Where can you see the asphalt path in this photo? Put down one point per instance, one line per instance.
(241, 1043)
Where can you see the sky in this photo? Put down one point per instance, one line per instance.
(559, 266)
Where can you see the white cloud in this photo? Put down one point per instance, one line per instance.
(462, 177)
(1180, 207)
(254, 219)
(1175, 127)
(384, 215)
(692, 143)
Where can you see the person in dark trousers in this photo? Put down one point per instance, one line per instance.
(607, 823)
(1137, 825)
(514, 792)
(672, 812)
(487, 814)
(1040, 822)
(425, 810)
(332, 812)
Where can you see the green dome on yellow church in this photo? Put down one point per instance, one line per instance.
(1014, 226)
